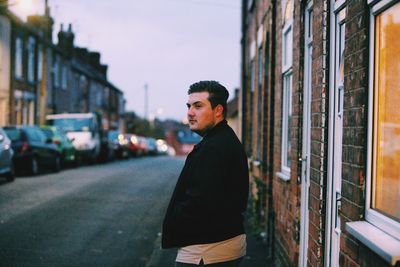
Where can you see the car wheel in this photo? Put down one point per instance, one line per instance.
(10, 176)
(34, 166)
(57, 164)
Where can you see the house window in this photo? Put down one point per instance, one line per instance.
(99, 96)
(64, 77)
(31, 59)
(56, 71)
(40, 63)
(384, 207)
(287, 61)
(18, 58)
(381, 230)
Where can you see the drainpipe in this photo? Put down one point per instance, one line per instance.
(271, 211)
(243, 70)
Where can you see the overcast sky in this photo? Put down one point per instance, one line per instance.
(167, 44)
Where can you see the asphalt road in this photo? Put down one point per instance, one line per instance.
(100, 215)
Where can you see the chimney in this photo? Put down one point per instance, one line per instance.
(94, 59)
(66, 39)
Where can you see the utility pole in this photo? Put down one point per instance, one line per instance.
(146, 101)
(43, 82)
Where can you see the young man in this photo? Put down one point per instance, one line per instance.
(204, 217)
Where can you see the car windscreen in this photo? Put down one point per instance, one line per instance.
(113, 135)
(49, 133)
(72, 124)
(13, 133)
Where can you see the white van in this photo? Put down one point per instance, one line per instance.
(84, 131)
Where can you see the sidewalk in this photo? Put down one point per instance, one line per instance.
(256, 254)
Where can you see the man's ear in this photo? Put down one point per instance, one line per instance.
(219, 110)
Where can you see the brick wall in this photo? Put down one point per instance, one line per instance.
(353, 253)
(319, 133)
(286, 194)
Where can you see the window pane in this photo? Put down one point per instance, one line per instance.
(18, 58)
(386, 194)
(287, 121)
(31, 59)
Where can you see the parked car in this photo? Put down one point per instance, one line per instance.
(135, 147)
(120, 144)
(151, 146)
(6, 157)
(85, 130)
(32, 150)
(143, 145)
(162, 147)
(64, 145)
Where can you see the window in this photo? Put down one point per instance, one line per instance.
(384, 207)
(381, 230)
(99, 96)
(40, 63)
(286, 122)
(287, 61)
(18, 58)
(56, 72)
(64, 77)
(31, 59)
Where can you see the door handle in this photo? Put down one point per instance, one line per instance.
(338, 203)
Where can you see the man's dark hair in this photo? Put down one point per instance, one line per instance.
(218, 95)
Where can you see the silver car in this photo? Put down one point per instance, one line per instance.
(6, 157)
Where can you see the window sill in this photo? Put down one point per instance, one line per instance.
(378, 241)
(283, 176)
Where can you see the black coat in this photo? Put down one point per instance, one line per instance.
(211, 193)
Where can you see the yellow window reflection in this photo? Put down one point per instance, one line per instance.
(386, 160)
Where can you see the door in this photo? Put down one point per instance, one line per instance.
(305, 158)
(336, 96)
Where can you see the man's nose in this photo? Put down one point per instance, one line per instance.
(190, 112)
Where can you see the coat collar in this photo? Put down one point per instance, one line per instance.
(218, 127)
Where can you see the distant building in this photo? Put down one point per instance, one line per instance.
(232, 115)
(38, 77)
(182, 141)
(5, 70)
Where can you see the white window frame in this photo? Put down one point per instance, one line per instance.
(64, 77)
(31, 59)
(56, 70)
(376, 218)
(287, 92)
(19, 55)
(286, 112)
(40, 62)
(378, 232)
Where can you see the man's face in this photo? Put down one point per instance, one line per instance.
(200, 114)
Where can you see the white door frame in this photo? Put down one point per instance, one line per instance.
(335, 134)
(306, 146)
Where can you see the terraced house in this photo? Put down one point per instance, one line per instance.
(318, 106)
(39, 77)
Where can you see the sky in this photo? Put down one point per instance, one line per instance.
(166, 44)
